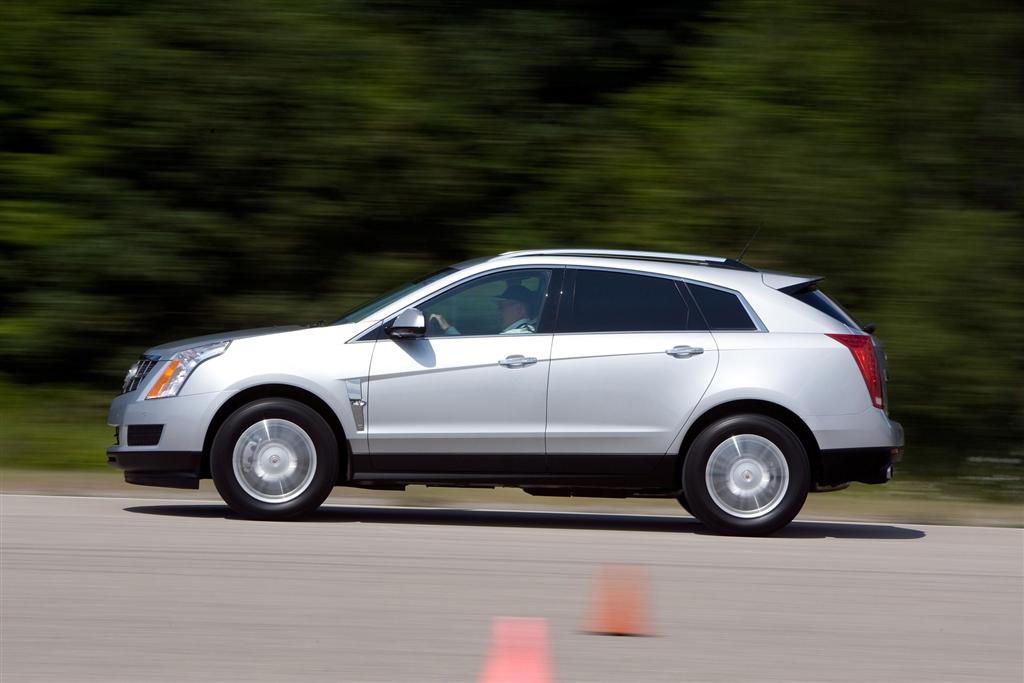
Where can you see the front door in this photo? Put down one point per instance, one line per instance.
(470, 396)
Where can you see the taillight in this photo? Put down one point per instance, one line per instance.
(863, 351)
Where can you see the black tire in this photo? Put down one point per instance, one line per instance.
(312, 487)
(784, 497)
(685, 503)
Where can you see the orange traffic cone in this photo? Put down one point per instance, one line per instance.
(519, 652)
(620, 607)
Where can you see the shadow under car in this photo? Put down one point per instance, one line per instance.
(537, 520)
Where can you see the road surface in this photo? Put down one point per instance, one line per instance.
(119, 589)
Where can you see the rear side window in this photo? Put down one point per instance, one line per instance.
(723, 310)
(815, 298)
(606, 301)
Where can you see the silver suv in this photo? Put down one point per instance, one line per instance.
(562, 372)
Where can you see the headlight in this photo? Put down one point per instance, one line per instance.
(133, 372)
(180, 366)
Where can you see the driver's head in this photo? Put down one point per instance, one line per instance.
(515, 303)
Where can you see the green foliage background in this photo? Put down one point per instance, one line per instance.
(177, 167)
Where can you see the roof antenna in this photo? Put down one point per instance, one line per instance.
(757, 230)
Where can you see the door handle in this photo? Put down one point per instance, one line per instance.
(517, 361)
(685, 351)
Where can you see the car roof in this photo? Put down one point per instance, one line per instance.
(716, 270)
(662, 256)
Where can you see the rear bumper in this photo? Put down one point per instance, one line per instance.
(865, 465)
(176, 469)
(869, 429)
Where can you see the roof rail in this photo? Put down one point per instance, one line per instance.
(666, 257)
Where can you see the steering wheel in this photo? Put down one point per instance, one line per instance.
(434, 327)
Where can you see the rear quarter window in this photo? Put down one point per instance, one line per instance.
(723, 310)
(815, 298)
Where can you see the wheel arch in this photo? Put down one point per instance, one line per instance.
(746, 406)
(276, 390)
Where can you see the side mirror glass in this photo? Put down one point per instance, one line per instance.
(408, 325)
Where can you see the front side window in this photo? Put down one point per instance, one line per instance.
(606, 301)
(723, 310)
(509, 302)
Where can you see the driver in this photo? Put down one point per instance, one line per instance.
(516, 311)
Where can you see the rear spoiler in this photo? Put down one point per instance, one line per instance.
(790, 284)
(798, 284)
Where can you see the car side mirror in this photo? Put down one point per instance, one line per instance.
(408, 325)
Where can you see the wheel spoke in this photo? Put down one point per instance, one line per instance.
(745, 470)
(274, 460)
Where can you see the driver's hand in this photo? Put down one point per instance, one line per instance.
(441, 322)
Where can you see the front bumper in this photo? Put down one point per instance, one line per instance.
(185, 418)
(176, 469)
(160, 442)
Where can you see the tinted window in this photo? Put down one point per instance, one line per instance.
(819, 300)
(722, 310)
(617, 302)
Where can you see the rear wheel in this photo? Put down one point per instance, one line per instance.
(274, 459)
(746, 474)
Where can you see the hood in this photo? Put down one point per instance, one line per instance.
(167, 350)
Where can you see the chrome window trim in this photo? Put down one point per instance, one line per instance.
(486, 336)
(578, 334)
(758, 323)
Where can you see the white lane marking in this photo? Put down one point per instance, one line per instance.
(5, 494)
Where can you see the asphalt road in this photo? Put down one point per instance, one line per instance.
(105, 589)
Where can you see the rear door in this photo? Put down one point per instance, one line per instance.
(631, 358)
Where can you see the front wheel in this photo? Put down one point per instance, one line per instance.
(746, 475)
(685, 503)
(274, 459)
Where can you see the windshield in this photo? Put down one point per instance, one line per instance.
(368, 308)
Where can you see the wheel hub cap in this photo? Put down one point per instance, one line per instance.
(747, 476)
(274, 460)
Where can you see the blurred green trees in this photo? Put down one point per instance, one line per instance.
(181, 167)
